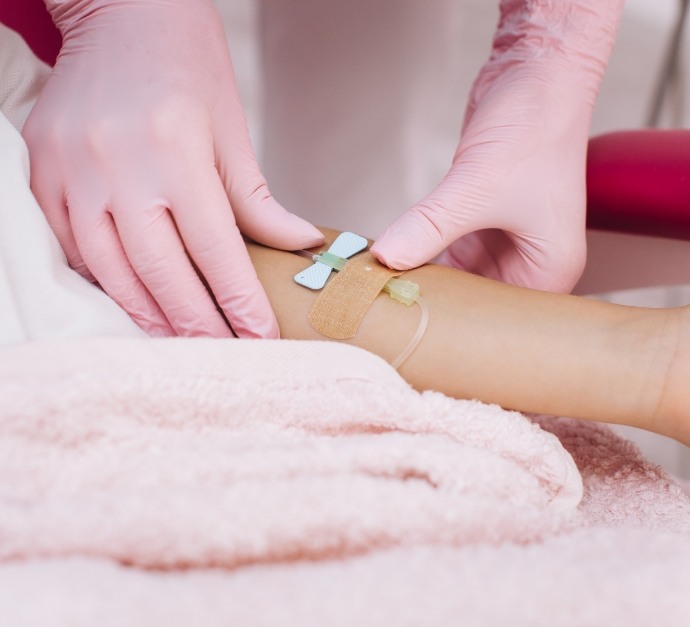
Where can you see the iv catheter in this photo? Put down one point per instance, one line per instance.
(401, 290)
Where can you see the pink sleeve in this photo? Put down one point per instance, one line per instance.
(32, 21)
(639, 182)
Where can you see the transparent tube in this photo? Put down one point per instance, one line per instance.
(414, 342)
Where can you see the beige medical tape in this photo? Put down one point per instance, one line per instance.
(343, 302)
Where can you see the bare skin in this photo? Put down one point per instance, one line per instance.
(522, 349)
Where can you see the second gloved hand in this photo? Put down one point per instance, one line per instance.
(142, 163)
(512, 206)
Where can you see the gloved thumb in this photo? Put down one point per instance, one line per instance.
(258, 215)
(429, 227)
(263, 219)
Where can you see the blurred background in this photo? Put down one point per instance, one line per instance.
(626, 95)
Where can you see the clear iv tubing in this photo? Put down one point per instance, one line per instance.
(414, 342)
(304, 253)
(421, 328)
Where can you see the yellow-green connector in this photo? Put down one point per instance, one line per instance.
(331, 260)
(405, 292)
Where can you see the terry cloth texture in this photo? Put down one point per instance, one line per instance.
(304, 483)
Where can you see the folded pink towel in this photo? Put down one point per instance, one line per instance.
(179, 453)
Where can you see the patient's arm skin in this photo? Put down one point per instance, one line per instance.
(522, 349)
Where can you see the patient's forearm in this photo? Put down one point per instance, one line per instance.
(522, 349)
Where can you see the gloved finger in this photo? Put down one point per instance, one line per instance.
(520, 260)
(154, 249)
(411, 240)
(257, 213)
(516, 259)
(263, 219)
(469, 253)
(101, 249)
(423, 231)
(491, 253)
(48, 191)
(206, 223)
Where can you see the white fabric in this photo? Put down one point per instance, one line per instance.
(40, 296)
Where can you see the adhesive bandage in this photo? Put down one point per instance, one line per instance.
(341, 305)
(345, 299)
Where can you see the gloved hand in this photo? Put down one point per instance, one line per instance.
(142, 163)
(512, 206)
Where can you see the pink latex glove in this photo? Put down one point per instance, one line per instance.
(142, 163)
(519, 170)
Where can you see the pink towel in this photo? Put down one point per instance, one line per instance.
(178, 453)
(267, 483)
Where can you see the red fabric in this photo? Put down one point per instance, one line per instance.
(639, 182)
(32, 21)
